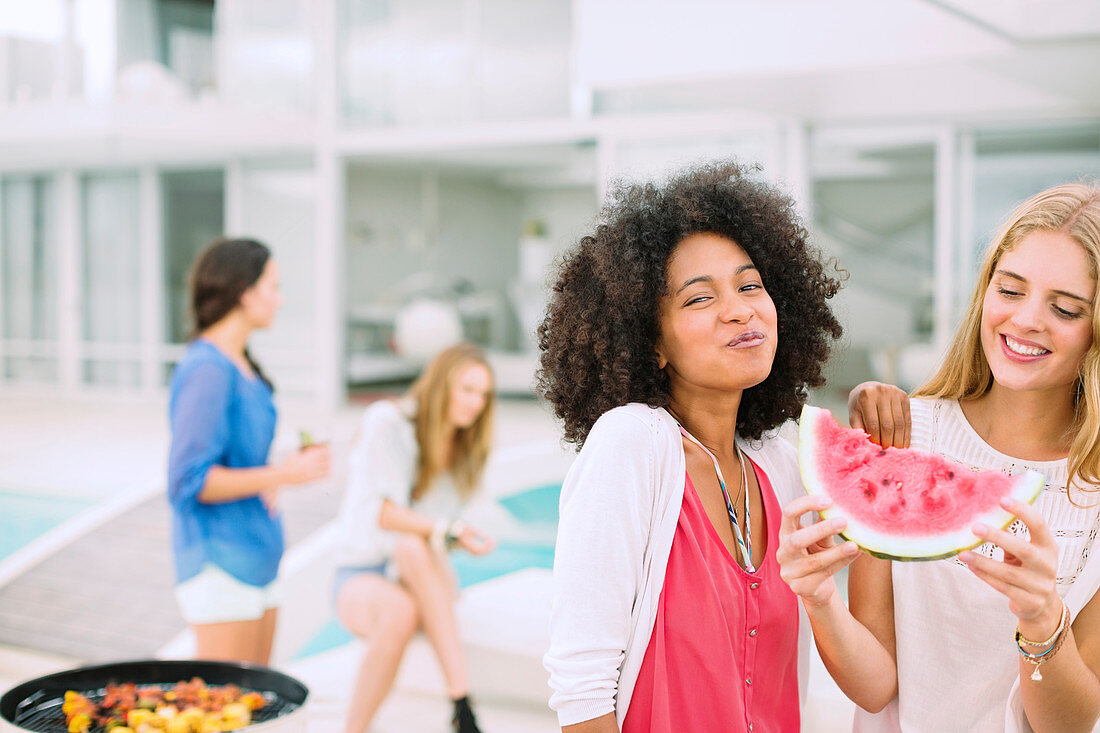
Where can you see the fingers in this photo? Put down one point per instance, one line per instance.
(476, 542)
(793, 511)
(882, 411)
(811, 577)
(813, 536)
(907, 421)
(1028, 594)
(270, 499)
(1035, 555)
(1032, 519)
(1014, 576)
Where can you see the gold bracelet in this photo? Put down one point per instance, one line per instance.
(1021, 639)
(1038, 659)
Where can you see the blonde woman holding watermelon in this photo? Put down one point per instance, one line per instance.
(1005, 637)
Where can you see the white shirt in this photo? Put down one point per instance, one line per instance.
(957, 659)
(619, 507)
(382, 466)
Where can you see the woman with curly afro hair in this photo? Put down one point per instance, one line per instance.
(680, 336)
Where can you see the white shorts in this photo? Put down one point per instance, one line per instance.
(214, 597)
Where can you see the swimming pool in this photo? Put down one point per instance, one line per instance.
(25, 517)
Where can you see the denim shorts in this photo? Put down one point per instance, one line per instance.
(344, 573)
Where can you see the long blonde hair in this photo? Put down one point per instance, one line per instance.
(1073, 208)
(469, 448)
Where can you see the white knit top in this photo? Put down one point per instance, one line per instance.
(957, 660)
(382, 466)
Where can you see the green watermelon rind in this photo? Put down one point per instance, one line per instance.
(1026, 488)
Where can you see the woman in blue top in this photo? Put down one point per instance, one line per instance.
(227, 535)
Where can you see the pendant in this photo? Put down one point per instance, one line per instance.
(1036, 676)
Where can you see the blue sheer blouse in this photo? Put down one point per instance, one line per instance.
(220, 417)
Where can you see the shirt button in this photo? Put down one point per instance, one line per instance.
(750, 727)
(752, 633)
(754, 586)
(748, 680)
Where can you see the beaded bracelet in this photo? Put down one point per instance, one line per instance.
(1056, 642)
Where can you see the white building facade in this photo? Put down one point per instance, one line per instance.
(395, 151)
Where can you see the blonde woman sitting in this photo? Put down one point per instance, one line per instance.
(414, 463)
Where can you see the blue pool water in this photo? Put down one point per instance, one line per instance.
(535, 507)
(24, 517)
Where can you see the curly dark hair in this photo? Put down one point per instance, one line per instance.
(598, 339)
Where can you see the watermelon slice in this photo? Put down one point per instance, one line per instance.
(902, 504)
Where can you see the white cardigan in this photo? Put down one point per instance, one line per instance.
(620, 504)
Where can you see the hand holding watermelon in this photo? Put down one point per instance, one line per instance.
(809, 557)
(1028, 573)
(902, 504)
(881, 411)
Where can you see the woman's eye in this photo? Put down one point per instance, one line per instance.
(751, 286)
(1069, 315)
(697, 299)
(1008, 293)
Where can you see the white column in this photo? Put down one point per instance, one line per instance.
(796, 166)
(944, 227)
(70, 262)
(580, 93)
(151, 293)
(967, 257)
(331, 390)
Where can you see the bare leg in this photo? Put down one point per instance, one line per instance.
(432, 585)
(385, 614)
(231, 641)
(267, 635)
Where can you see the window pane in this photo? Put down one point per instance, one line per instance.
(873, 209)
(112, 373)
(111, 220)
(29, 259)
(427, 62)
(265, 53)
(1013, 165)
(194, 213)
(30, 369)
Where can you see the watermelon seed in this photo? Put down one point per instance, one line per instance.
(886, 482)
(882, 452)
(950, 474)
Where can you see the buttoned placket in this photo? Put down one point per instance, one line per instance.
(752, 626)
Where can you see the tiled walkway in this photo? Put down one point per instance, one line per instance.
(108, 594)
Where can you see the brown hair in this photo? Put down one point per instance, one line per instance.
(1073, 208)
(598, 339)
(470, 446)
(223, 271)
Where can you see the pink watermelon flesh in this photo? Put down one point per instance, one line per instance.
(902, 492)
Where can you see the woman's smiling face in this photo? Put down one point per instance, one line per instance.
(717, 322)
(1037, 313)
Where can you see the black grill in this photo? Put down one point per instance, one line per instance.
(36, 705)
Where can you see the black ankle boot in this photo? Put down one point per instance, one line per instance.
(463, 719)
